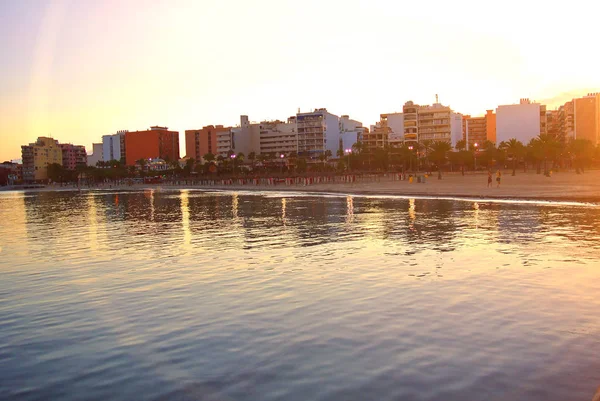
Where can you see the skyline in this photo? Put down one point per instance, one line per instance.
(77, 71)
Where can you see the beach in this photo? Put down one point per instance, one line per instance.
(563, 186)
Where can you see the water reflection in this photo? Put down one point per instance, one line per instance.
(167, 294)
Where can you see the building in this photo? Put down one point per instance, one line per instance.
(553, 124)
(351, 131)
(155, 143)
(318, 131)
(479, 129)
(10, 173)
(431, 123)
(73, 156)
(37, 156)
(586, 113)
(114, 147)
(278, 137)
(97, 154)
(566, 121)
(376, 137)
(203, 141)
(388, 131)
(524, 121)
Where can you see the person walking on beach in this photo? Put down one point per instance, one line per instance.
(489, 178)
(498, 178)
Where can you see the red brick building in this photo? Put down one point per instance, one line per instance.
(73, 156)
(155, 143)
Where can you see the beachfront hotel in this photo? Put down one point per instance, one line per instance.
(73, 156)
(155, 143)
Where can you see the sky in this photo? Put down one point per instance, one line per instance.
(77, 70)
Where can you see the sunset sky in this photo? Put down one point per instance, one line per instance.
(77, 70)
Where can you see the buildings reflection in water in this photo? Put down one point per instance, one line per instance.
(206, 219)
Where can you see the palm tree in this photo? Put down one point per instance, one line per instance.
(439, 154)
(549, 148)
(582, 152)
(209, 157)
(252, 158)
(460, 145)
(515, 149)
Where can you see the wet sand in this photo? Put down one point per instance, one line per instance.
(564, 186)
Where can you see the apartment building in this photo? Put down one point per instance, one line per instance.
(278, 137)
(155, 143)
(586, 113)
(388, 131)
(97, 154)
(431, 123)
(200, 142)
(479, 129)
(73, 156)
(37, 156)
(114, 147)
(524, 121)
(318, 131)
(351, 131)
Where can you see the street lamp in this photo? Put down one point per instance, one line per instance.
(348, 151)
(233, 158)
(476, 145)
(281, 156)
(410, 157)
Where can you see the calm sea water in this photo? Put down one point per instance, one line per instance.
(169, 295)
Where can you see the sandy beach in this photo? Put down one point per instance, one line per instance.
(564, 186)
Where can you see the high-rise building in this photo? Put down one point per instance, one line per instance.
(37, 156)
(318, 131)
(479, 129)
(155, 143)
(97, 154)
(113, 147)
(73, 156)
(524, 121)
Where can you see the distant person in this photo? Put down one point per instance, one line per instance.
(489, 178)
(498, 178)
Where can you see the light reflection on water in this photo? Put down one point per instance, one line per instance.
(163, 295)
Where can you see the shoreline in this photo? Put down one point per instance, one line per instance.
(532, 188)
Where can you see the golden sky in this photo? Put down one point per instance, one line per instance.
(77, 70)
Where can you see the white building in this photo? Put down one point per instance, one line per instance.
(97, 154)
(113, 146)
(521, 121)
(318, 131)
(351, 131)
(278, 137)
(456, 128)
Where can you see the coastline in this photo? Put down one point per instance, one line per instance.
(561, 187)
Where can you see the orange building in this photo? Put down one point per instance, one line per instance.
(199, 142)
(479, 129)
(157, 142)
(587, 117)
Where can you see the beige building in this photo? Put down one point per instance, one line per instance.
(431, 123)
(37, 156)
(278, 137)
